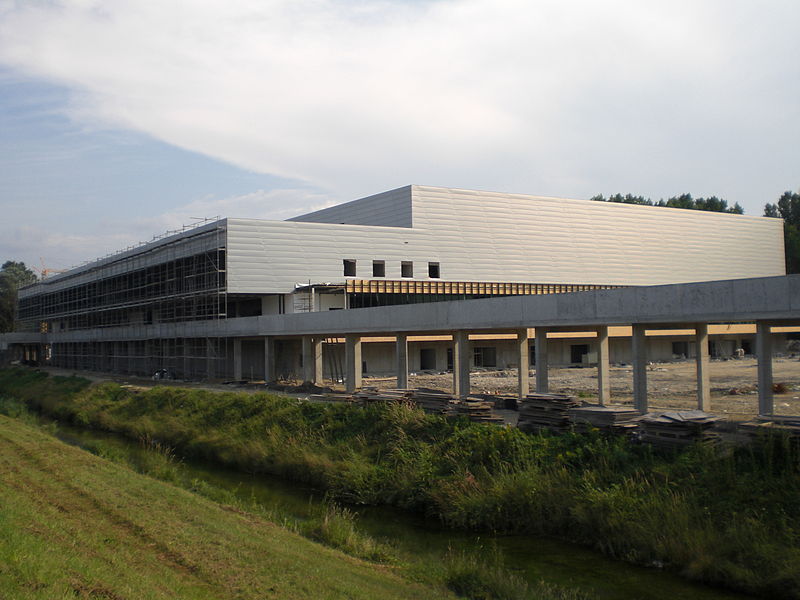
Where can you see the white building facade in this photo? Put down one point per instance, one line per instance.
(415, 244)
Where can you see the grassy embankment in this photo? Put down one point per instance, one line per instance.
(729, 518)
(74, 525)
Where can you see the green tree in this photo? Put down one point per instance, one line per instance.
(711, 204)
(13, 275)
(788, 209)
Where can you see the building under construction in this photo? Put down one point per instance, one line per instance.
(132, 312)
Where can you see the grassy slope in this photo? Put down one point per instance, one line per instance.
(72, 525)
(727, 518)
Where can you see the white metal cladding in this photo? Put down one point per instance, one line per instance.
(273, 256)
(475, 236)
(488, 236)
(194, 241)
(510, 237)
(389, 209)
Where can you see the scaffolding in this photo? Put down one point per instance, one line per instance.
(181, 279)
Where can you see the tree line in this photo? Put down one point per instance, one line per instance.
(711, 204)
(13, 275)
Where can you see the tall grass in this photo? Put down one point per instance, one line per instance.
(485, 577)
(724, 517)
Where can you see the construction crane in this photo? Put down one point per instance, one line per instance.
(45, 271)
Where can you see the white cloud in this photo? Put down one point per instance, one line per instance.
(561, 97)
(35, 245)
(278, 205)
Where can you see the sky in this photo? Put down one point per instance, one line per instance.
(121, 119)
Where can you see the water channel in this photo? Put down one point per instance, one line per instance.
(533, 558)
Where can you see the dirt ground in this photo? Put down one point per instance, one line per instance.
(670, 385)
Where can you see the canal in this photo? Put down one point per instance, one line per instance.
(425, 540)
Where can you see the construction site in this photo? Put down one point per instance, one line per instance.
(372, 288)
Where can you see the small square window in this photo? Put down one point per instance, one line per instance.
(378, 268)
(406, 269)
(433, 270)
(349, 267)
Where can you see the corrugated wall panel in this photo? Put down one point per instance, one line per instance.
(531, 238)
(481, 236)
(388, 209)
(488, 236)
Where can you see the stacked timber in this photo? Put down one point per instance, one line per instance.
(775, 425)
(539, 412)
(370, 395)
(434, 401)
(478, 410)
(678, 429)
(610, 419)
(331, 397)
(500, 401)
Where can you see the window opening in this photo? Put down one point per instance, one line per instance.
(484, 356)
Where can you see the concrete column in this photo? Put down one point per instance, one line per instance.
(703, 377)
(237, 359)
(766, 406)
(603, 370)
(352, 358)
(542, 384)
(308, 359)
(461, 364)
(316, 357)
(269, 359)
(210, 354)
(401, 355)
(523, 363)
(639, 351)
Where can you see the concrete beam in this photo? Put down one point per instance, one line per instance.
(542, 383)
(461, 364)
(603, 370)
(352, 359)
(401, 360)
(523, 363)
(766, 402)
(703, 376)
(773, 299)
(639, 351)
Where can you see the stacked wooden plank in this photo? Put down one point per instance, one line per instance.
(478, 410)
(370, 395)
(539, 412)
(331, 397)
(500, 401)
(776, 425)
(612, 419)
(434, 401)
(678, 429)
